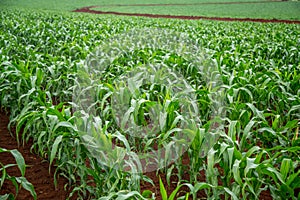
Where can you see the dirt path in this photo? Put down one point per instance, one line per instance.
(37, 171)
(89, 10)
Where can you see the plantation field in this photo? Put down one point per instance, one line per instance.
(67, 5)
(210, 8)
(270, 10)
(139, 108)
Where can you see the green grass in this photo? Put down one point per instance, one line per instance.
(275, 10)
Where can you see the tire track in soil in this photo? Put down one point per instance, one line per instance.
(37, 171)
(184, 17)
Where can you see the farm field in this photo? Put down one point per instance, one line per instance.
(210, 8)
(265, 10)
(67, 5)
(140, 108)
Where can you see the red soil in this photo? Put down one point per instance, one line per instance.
(89, 10)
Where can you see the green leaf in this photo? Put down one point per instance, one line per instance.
(121, 138)
(294, 108)
(256, 112)
(236, 172)
(173, 194)
(15, 183)
(275, 122)
(278, 175)
(129, 195)
(286, 165)
(162, 189)
(66, 125)
(39, 75)
(169, 174)
(231, 193)
(27, 186)
(4, 174)
(232, 130)
(250, 165)
(20, 160)
(198, 186)
(252, 150)
(3, 150)
(6, 196)
(54, 149)
(291, 179)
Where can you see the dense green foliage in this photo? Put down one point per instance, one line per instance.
(258, 149)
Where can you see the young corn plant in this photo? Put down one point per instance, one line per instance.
(173, 195)
(18, 182)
